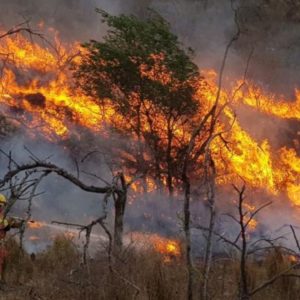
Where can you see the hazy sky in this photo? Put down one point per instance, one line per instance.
(271, 28)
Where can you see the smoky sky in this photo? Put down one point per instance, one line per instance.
(271, 28)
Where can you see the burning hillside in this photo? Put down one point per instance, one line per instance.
(130, 162)
(38, 91)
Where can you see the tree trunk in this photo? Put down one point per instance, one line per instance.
(169, 160)
(210, 191)
(244, 292)
(120, 205)
(187, 231)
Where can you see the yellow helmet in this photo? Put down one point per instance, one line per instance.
(2, 199)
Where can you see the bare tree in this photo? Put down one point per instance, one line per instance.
(194, 149)
(120, 198)
(247, 248)
(117, 189)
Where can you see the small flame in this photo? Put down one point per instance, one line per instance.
(34, 238)
(252, 225)
(70, 235)
(36, 225)
(293, 258)
(169, 249)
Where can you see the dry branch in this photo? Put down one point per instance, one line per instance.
(41, 166)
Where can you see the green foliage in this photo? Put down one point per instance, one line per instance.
(112, 68)
(150, 79)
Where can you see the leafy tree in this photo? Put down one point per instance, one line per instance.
(150, 80)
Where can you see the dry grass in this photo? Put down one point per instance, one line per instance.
(58, 274)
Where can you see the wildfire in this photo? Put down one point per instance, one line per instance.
(37, 90)
(169, 248)
(45, 91)
(267, 103)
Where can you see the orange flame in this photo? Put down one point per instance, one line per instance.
(36, 89)
(36, 225)
(170, 249)
(34, 238)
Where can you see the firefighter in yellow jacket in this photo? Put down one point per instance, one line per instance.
(6, 223)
